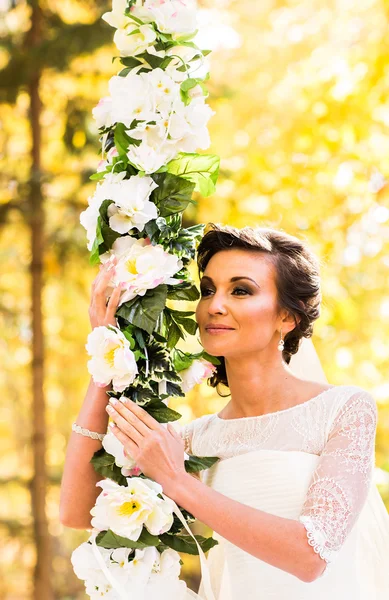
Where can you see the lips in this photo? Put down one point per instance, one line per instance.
(219, 327)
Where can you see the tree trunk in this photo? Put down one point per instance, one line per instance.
(42, 573)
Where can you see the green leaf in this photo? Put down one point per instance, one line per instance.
(173, 193)
(130, 61)
(174, 389)
(162, 413)
(143, 311)
(128, 335)
(124, 72)
(185, 543)
(178, 315)
(109, 539)
(122, 140)
(174, 335)
(94, 258)
(97, 176)
(189, 325)
(108, 236)
(104, 464)
(188, 85)
(139, 338)
(184, 291)
(201, 169)
(156, 61)
(181, 360)
(198, 463)
(212, 359)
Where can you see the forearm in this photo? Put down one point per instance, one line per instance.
(78, 487)
(275, 540)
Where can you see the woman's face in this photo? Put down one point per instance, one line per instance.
(238, 291)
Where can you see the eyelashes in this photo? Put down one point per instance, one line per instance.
(204, 291)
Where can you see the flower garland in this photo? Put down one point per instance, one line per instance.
(152, 123)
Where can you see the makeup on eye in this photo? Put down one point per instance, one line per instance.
(246, 291)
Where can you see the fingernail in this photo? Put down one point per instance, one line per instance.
(124, 400)
(113, 401)
(110, 409)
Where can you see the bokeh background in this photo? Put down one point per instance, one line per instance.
(300, 89)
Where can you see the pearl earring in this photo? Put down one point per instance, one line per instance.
(281, 343)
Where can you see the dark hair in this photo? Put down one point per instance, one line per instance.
(297, 277)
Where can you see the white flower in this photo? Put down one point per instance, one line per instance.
(125, 510)
(102, 112)
(113, 446)
(175, 16)
(131, 99)
(131, 207)
(149, 158)
(145, 572)
(88, 219)
(116, 17)
(141, 266)
(112, 359)
(188, 125)
(87, 568)
(154, 151)
(199, 369)
(164, 89)
(131, 44)
(84, 561)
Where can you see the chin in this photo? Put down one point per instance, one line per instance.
(214, 347)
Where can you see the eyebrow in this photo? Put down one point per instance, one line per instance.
(237, 278)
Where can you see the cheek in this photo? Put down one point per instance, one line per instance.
(258, 313)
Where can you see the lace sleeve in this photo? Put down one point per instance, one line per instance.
(341, 481)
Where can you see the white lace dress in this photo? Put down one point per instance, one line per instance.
(314, 463)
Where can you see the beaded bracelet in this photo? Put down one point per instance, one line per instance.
(87, 433)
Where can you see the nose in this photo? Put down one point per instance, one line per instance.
(216, 305)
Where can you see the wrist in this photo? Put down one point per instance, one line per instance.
(181, 488)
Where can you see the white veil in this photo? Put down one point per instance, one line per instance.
(306, 363)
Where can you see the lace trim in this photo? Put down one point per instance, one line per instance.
(185, 436)
(317, 539)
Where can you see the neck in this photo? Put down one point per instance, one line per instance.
(259, 384)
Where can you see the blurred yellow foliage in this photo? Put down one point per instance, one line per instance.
(300, 92)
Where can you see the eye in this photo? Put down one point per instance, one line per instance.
(240, 289)
(205, 291)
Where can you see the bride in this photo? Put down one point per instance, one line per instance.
(291, 501)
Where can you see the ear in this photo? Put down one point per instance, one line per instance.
(288, 321)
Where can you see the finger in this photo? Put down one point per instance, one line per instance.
(125, 426)
(104, 267)
(130, 447)
(114, 301)
(104, 278)
(142, 414)
(129, 416)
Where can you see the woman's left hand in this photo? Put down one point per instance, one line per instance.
(157, 451)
